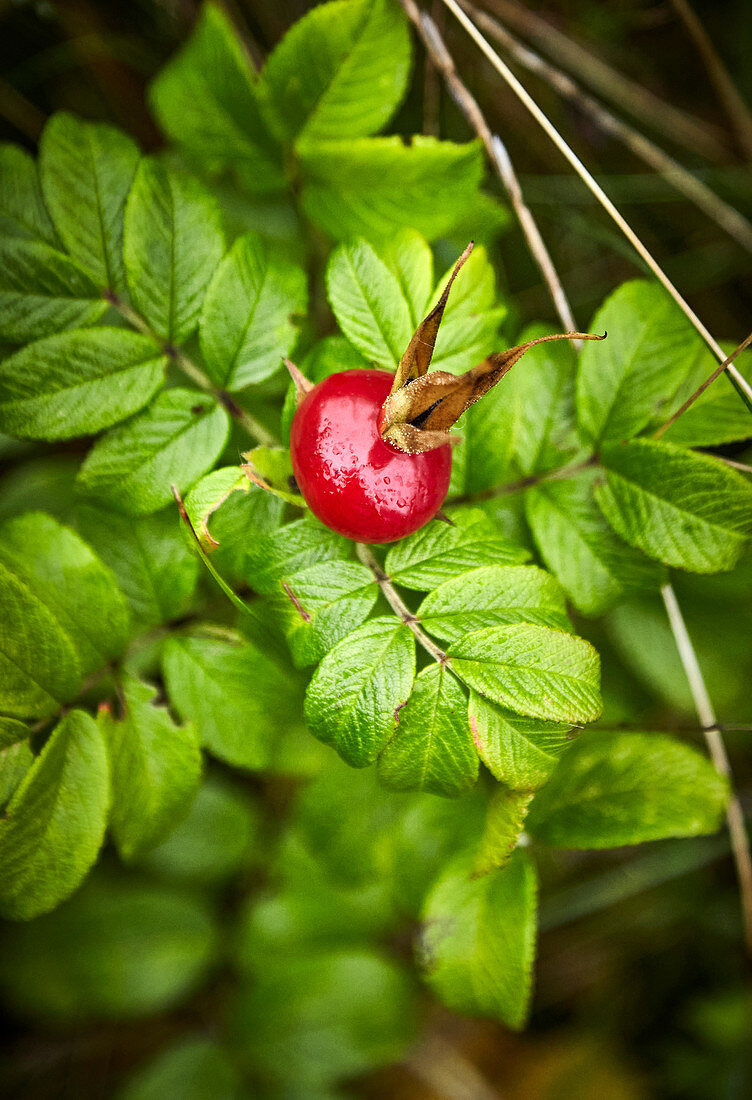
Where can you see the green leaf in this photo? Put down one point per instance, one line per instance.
(544, 386)
(323, 603)
(172, 245)
(625, 788)
(213, 842)
(87, 170)
(369, 303)
(540, 673)
(492, 596)
(432, 748)
(209, 494)
(624, 380)
(155, 567)
(686, 509)
(156, 769)
(341, 69)
(478, 942)
(290, 549)
(237, 698)
(173, 442)
(118, 949)
(48, 480)
(717, 416)
(193, 1069)
(240, 522)
(247, 323)
(353, 700)
(488, 431)
(505, 821)
(15, 760)
(42, 292)
(12, 731)
(440, 551)
(470, 327)
(39, 667)
(270, 469)
(520, 752)
(593, 565)
(53, 826)
(207, 99)
(324, 1016)
(374, 186)
(74, 585)
(410, 260)
(77, 383)
(22, 209)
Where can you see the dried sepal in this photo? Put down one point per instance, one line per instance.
(417, 357)
(302, 385)
(417, 416)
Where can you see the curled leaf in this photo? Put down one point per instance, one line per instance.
(271, 469)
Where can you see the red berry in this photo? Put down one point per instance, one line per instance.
(354, 481)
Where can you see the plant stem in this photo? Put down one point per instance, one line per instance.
(497, 153)
(740, 383)
(528, 482)
(194, 372)
(701, 389)
(730, 220)
(734, 814)
(397, 604)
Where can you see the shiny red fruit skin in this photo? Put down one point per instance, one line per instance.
(355, 482)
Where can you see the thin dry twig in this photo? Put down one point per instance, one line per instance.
(739, 382)
(694, 134)
(734, 814)
(448, 1073)
(722, 213)
(397, 604)
(701, 389)
(497, 152)
(736, 109)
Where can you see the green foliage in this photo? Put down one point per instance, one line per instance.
(478, 939)
(194, 1069)
(341, 69)
(77, 383)
(155, 769)
(686, 509)
(135, 338)
(54, 824)
(87, 170)
(173, 242)
(626, 788)
(118, 949)
(246, 320)
(173, 442)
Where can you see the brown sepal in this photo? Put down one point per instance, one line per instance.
(302, 385)
(417, 357)
(417, 416)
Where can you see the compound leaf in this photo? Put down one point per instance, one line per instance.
(478, 942)
(53, 826)
(87, 170)
(155, 769)
(432, 748)
(353, 700)
(625, 788)
(539, 672)
(679, 507)
(77, 383)
(173, 442)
